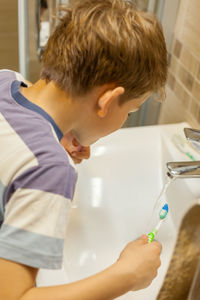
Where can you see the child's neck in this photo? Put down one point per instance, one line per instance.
(54, 102)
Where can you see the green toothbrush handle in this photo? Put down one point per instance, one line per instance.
(151, 235)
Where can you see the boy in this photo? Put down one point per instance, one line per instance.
(102, 62)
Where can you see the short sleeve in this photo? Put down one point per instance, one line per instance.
(37, 206)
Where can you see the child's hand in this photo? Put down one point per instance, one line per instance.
(139, 262)
(75, 150)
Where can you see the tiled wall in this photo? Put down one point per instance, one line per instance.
(183, 89)
(8, 35)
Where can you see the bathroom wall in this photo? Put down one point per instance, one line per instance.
(8, 35)
(183, 88)
(34, 63)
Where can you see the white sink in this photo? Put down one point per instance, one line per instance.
(116, 191)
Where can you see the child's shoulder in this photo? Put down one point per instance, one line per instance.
(27, 128)
(6, 74)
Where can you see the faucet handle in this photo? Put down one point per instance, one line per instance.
(193, 135)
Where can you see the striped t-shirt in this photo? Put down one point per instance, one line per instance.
(37, 180)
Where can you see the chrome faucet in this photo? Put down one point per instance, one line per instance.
(186, 169)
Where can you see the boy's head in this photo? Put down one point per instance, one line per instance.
(109, 47)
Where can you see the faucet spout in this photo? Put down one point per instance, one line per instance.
(187, 169)
(184, 169)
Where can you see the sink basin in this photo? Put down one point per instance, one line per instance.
(116, 191)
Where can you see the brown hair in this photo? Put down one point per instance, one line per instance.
(106, 41)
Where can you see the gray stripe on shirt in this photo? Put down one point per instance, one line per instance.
(30, 248)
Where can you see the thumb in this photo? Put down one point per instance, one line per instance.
(143, 239)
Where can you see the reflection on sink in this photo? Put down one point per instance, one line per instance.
(115, 194)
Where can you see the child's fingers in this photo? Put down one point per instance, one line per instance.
(81, 155)
(157, 245)
(143, 239)
(76, 160)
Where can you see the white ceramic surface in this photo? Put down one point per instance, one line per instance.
(116, 191)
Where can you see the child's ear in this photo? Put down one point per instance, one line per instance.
(107, 98)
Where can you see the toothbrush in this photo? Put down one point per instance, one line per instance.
(180, 143)
(163, 213)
